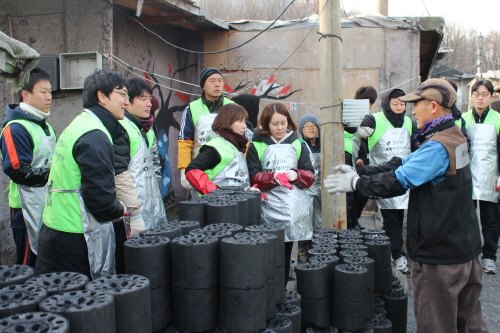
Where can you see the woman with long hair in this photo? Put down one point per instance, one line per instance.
(279, 165)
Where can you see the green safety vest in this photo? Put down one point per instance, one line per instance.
(62, 211)
(492, 117)
(382, 124)
(226, 153)
(135, 136)
(14, 200)
(262, 146)
(198, 108)
(348, 142)
(151, 137)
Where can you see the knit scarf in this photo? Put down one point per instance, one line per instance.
(33, 111)
(147, 123)
(435, 122)
(238, 140)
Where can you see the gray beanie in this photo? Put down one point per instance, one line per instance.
(305, 119)
(206, 73)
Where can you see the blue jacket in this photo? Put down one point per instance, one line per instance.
(17, 148)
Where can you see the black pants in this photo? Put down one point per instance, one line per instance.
(489, 215)
(393, 226)
(120, 239)
(352, 219)
(60, 251)
(23, 250)
(288, 255)
(359, 204)
(20, 234)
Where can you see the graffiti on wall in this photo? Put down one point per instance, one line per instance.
(175, 101)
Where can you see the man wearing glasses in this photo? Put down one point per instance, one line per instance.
(483, 129)
(78, 234)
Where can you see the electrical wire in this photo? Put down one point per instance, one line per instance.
(343, 8)
(127, 68)
(423, 3)
(302, 42)
(397, 85)
(158, 75)
(198, 52)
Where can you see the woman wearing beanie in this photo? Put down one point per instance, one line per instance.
(221, 161)
(279, 164)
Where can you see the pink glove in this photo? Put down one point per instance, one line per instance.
(282, 179)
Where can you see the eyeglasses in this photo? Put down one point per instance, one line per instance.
(309, 127)
(481, 94)
(121, 93)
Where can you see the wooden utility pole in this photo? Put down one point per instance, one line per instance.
(332, 131)
(383, 7)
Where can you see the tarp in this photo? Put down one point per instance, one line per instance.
(16, 61)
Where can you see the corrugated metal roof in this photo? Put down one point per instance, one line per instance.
(368, 21)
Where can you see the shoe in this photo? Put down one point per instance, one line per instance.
(489, 266)
(302, 257)
(401, 264)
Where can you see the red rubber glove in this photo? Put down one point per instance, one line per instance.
(200, 181)
(282, 179)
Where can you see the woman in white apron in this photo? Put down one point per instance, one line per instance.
(280, 166)
(221, 161)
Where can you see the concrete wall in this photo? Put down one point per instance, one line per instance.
(146, 52)
(371, 56)
(60, 26)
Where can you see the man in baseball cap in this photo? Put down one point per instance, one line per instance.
(443, 237)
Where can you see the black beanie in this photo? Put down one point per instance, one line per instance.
(206, 73)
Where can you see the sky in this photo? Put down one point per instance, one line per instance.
(481, 15)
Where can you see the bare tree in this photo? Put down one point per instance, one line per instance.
(469, 47)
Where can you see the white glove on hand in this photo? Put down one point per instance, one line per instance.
(136, 226)
(291, 175)
(184, 182)
(343, 179)
(254, 189)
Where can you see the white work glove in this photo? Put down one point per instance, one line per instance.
(291, 175)
(343, 179)
(136, 226)
(254, 189)
(184, 182)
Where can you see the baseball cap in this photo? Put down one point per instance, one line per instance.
(437, 90)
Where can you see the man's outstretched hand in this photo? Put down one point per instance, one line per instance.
(343, 179)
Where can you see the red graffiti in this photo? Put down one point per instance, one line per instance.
(169, 69)
(148, 78)
(284, 90)
(183, 97)
(254, 91)
(271, 79)
(228, 88)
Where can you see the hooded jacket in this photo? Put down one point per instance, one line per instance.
(17, 149)
(367, 126)
(265, 180)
